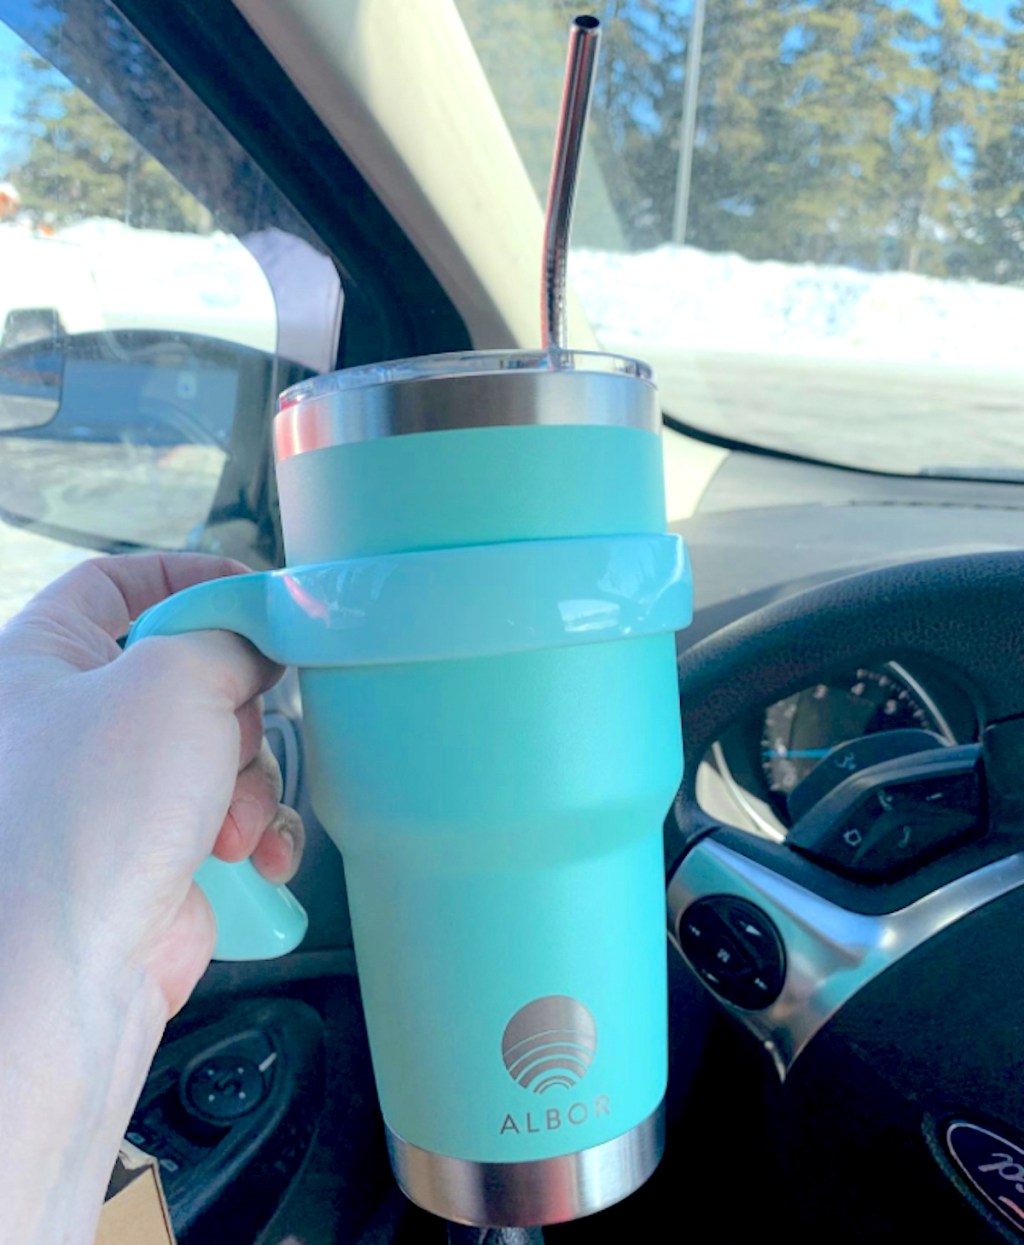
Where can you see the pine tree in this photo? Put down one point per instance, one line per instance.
(521, 46)
(937, 131)
(638, 100)
(860, 132)
(993, 232)
(846, 71)
(80, 164)
(115, 69)
(746, 142)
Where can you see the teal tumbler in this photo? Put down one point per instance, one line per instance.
(480, 599)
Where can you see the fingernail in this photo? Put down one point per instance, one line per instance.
(289, 840)
(249, 817)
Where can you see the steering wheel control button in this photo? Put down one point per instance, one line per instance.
(852, 757)
(992, 1165)
(885, 822)
(916, 823)
(224, 1088)
(813, 730)
(735, 949)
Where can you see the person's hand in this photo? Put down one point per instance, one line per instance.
(119, 773)
(131, 767)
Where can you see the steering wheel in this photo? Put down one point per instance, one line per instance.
(890, 1001)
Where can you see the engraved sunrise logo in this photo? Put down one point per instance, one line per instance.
(550, 1043)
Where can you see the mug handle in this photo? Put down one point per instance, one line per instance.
(256, 919)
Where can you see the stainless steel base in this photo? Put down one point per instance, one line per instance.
(542, 1191)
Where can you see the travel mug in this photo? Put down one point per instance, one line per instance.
(480, 599)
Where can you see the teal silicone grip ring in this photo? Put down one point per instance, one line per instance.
(445, 604)
(256, 920)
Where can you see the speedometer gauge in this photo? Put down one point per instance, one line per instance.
(801, 729)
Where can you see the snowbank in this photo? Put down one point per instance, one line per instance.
(102, 274)
(677, 297)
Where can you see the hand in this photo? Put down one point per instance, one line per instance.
(119, 773)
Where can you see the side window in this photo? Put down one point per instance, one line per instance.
(156, 293)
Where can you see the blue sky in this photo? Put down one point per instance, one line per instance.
(993, 8)
(11, 132)
(10, 48)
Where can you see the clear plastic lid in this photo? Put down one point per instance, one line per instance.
(467, 363)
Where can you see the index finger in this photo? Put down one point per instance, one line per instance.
(114, 591)
(219, 662)
(80, 615)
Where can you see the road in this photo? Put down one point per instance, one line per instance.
(881, 415)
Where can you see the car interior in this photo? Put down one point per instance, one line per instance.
(211, 200)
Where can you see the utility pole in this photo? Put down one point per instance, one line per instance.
(688, 123)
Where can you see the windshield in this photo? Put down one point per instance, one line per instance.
(807, 216)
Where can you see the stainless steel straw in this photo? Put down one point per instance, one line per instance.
(584, 37)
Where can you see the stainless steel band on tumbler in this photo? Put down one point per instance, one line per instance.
(541, 1191)
(443, 393)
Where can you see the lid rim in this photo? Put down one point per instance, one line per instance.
(464, 363)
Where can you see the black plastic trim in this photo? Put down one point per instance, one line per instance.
(231, 1175)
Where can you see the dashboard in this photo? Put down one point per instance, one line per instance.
(892, 1018)
(768, 528)
(764, 759)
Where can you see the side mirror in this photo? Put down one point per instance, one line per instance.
(31, 379)
(126, 438)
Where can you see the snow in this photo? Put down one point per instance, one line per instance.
(685, 298)
(150, 278)
(103, 274)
